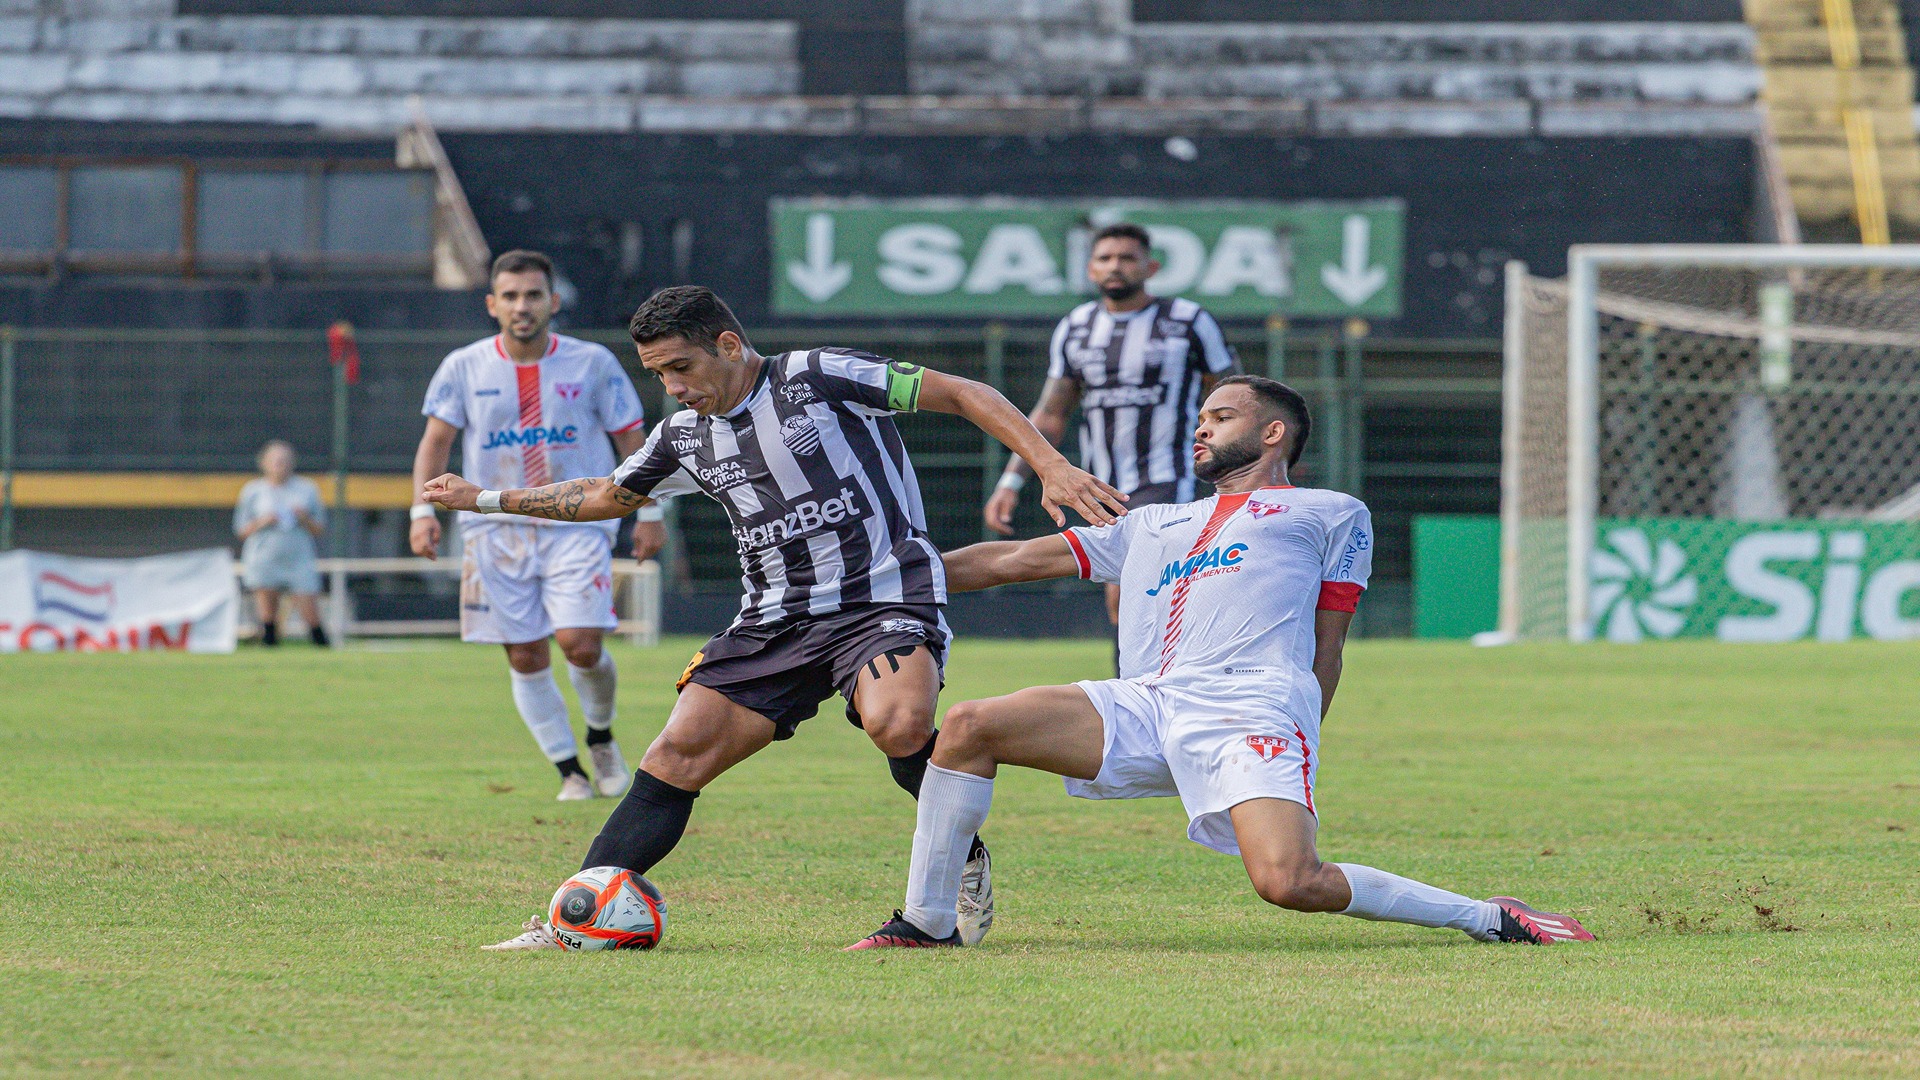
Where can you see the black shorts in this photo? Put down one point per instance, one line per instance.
(1153, 494)
(784, 670)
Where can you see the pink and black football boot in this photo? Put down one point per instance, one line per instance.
(1518, 922)
(898, 933)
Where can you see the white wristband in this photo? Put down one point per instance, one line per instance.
(419, 511)
(1011, 481)
(487, 502)
(651, 512)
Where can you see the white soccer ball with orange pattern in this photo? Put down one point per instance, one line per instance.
(608, 907)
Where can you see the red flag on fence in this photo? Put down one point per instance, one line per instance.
(342, 349)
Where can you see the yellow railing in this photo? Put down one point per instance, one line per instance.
(1863, 144)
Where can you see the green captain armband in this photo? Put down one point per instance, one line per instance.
(903, 385)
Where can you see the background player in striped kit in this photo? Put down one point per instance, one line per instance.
(536, 407)
(1136, 366)
(843, 586)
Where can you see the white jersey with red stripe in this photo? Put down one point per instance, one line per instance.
(532, 424)
(1217, 597)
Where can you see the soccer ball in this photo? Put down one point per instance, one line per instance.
(608, 907)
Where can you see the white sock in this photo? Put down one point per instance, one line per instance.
(537, 696)
(595, 685)
(953, 806)
(1388, 897)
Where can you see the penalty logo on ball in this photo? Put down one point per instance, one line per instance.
(608, 907)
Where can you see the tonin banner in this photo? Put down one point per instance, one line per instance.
(186, 601)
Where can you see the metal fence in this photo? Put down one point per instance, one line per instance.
(1395, 420)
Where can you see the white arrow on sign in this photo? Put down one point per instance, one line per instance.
(819, 277)
(1353, 281)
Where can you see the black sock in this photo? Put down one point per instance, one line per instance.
(570, 767)
(318, 635)
(269, 633)
(910, 770)
(644, 827)
(598, 735)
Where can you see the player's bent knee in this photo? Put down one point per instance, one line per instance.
(899, 730)
(582, 656)
(528, 658)
(966, 725)
(1288, 888)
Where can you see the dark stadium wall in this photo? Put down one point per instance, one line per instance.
(628, 214)
(1426, 11)
(697, 205)
(171, 302)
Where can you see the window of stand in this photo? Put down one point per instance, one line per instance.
(215, 218)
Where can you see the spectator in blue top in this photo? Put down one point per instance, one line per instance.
(278, 518)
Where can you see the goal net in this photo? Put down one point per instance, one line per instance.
(1663, 404)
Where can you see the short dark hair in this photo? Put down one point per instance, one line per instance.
(693, 312)
(1122, 230)
(519, 261)
(1278, 397)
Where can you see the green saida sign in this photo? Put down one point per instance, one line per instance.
(1755, 581)
(1025, 257)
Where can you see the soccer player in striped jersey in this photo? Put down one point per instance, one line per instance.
(535, 407)
(1236, 611)
(1137, 366)
(843, 588)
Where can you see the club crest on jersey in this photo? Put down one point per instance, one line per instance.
(533, 436)
(1260, 509)
(800, 435)
(798, 393)
(1267, 746)
(570, 391)
(1214, 560)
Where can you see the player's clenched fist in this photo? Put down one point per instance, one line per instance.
(1094, 499)
(451, 492)
(423, 536)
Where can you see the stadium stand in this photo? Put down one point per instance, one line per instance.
(1052, 66)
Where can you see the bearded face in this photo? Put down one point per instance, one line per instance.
(1228, 457)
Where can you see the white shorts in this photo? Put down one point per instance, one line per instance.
(1162, 740)
(519, 583)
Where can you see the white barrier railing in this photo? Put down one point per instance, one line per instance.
(639, 582)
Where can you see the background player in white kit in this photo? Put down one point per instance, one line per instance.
(1234, 612)
(537, 408)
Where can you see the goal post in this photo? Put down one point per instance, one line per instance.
(1665, 404)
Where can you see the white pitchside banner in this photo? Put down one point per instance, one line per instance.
(186, 601)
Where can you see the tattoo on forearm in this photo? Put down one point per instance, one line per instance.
(559, 502)
(568, 500)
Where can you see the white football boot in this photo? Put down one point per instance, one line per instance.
(976, 896)
(574, 788)
(610, 775)
(538, 936)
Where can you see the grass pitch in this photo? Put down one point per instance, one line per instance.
(281, 863)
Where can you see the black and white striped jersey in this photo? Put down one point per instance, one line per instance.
(815, 481)
(1139, 374)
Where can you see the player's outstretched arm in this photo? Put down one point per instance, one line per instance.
(1065, 485)
(1003, 562)
(592, 498)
